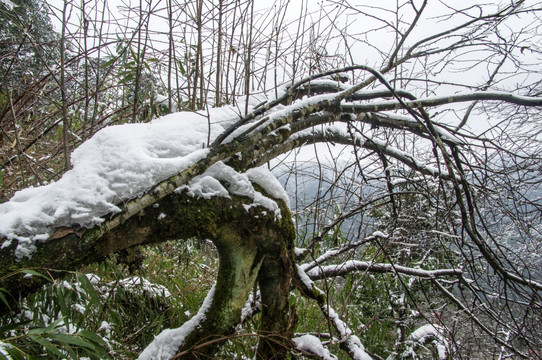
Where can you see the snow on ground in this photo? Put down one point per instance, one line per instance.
(167, 343)
(117, 164)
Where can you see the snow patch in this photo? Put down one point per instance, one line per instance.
(264, 178)
(300, 251)
(210, 184)
(429, 333)
(10, 5)
(312, 344)
(206, 187)
(138, 284)
(167, 343)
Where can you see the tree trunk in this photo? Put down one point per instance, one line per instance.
(240, 261)
(278, 320)
(249, 249)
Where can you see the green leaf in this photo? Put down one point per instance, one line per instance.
(108, 63)
(181, 68)
(13, 326)
(158, 323)
(89, 289)
(4, 349)
(69, 339)
(92, 337)
(50, 347)
(14, 353)
(147, 66)
(128, 78)
(134, 55)
(46, 330)
(78, 341)
(35, 273)
(62, 302)
(4, 298)
(36, 331)
(52, 326)
(98, 345)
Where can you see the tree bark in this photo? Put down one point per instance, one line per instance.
(249, 248)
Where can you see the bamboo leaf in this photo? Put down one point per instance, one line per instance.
(3, 297)
(181, 68)
(89, 289)
(14, 353)
(50, 347)
(35, 273)
(92, 337)
(108, 63)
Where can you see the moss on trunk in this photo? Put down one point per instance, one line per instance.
(259, 246)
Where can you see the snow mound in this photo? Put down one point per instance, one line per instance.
(117, 164)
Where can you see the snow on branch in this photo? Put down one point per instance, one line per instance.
(114, 170)
(402, 122)
(117, 164)
(252, 307)
(442, 100)
(349, 341)
(312, 346)
(322, 86)
(334, 134)
(330, 254)
(430, 333)
(286, 95)
(209, 184)
(350, 266)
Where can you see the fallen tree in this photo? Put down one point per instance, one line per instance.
(200, 176)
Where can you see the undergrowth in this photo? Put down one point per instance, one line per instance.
(109, 310)
(113, 310)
